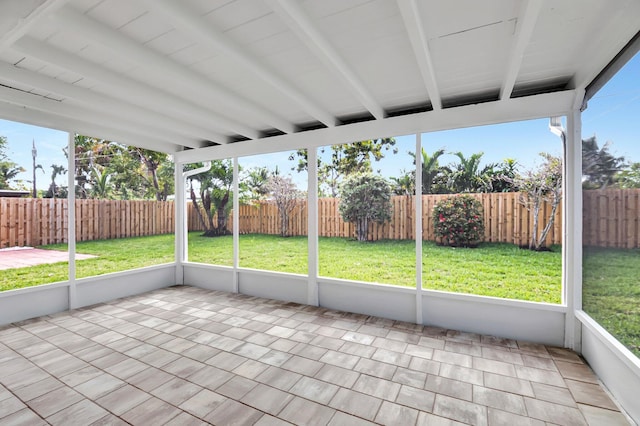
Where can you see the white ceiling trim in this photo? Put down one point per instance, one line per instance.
(77, 113)
(417, 37)
(203, 32)
(524, 30)
(103, 103)
(517, 109)
(153, 62)
(296, 19)
(46, 8)
(65, 124)
(138, 92)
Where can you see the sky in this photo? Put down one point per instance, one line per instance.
(613, 115)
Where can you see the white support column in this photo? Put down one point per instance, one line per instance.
(572, 226)
(418, 228)
(71, 219)
(236, 224)
(181, 224)
(312, 226)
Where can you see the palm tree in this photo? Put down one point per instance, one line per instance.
(430, 168)
(101, 185)
(56, 170)
(468, 176)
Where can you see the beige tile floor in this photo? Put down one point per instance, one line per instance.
(183, 356)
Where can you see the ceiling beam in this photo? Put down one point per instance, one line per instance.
(190, 23)
(106, 104)
(65, 124)
(296, 19)
(41, 103)
(524, 29)
(418, 38)
(24, 24)
(175, 76)
(123, 87)
(509, 110)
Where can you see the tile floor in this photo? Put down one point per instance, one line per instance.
(183, 356)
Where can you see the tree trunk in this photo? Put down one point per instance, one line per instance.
(533, 244)
(362, 229)
(284, 222)
(194, 200)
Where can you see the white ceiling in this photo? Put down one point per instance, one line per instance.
(244, 76)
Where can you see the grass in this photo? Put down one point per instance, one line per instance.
(611, 288)
(112, 256)
(500, 270)
(611, 292)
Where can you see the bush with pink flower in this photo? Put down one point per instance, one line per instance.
(458, 221)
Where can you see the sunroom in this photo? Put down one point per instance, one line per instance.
(251, 82)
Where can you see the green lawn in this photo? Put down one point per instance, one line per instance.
(500, 270)
(611, 292)
(610, 279)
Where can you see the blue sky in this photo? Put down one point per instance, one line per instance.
(612, 115)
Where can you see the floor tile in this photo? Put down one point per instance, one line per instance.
(462, 411)
(379, 388)
(591, 394)
(123, 399)
(416, 398)
(314, 390)
(597, 416)
(498, 399)
(188, 356)
(176, 391)
(267, 399)
(395, 414)
(54, 401)
(356, 403)
(153, 411)
(81, 413)
(300, 411)
(202, 403)
(554, 413)
(450, 387)
(232, 412)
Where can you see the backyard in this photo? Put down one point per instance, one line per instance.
(502, 270)
(493, 269)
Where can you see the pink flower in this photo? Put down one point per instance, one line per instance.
(441, 217)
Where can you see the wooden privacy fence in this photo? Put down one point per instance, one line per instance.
(505, 219)
(34, 222)
(611, 218)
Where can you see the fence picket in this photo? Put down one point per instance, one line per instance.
(610, 219)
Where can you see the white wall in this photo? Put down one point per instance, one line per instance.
(614, 364)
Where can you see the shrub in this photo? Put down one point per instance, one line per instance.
(365, 198)
(458, 221)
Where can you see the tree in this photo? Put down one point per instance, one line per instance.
(54, 190)
(430, 168)
(344, 159)
(101, 183)
(405, 184)
(215, 186)
(8, 169)
(257, 184)
(629, 177)
(365, 198)
(468, 176)
(537, 186)
(599, 166)
(286, 196)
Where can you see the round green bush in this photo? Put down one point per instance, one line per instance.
(458, 221)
